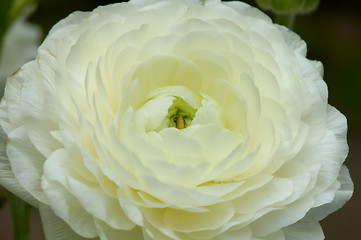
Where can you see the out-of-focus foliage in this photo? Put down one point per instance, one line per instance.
(19, 44)
(288, 6)
(17, 7)
(4, 23)
(9, 10)
(285, 11)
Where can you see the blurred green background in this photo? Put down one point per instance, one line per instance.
(333, 36)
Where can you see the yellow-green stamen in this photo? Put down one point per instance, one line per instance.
(180, 123)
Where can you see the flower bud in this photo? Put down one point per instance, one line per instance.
(289, 6)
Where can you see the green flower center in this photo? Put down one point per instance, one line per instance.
(176, 107)
(180, 114)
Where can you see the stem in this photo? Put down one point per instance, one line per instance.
(20, 212)
(3, 198)
(286, 19)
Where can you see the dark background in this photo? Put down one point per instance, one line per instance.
(333, 36)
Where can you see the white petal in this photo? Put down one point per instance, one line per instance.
(98, 204)
(185, 221)
(293, 40)
(153, 113)
(175, 143)
(132, 211)
(55, 228)
(246, 10)
(26, 162)
(38, 109)
(63, 203)
(244, 233)
(176, 195)
(273, 236)
(281, 217)
(340, 198)
(275, 191)
(108, 233)
(73, 19)
(168, 70)
(304, 230)
(7, 178)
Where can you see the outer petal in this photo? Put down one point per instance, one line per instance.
(243, 233)
(73, 19)
(293, 40)
(7, 178)
(26, 162)
(63, 203)
(55, 228)
(304, 230)
(108, 233)
(343, 194)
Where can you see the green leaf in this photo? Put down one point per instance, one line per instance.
(264, 4)
(287, 6)
(4, 21)
(17, 7)
(20, 213)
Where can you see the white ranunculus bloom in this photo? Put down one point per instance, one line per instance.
(174, 119)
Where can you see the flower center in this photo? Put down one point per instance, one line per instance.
(180, 114)
(180, 124)
(177, 107)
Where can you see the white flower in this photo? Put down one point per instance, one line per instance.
(174, 120)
